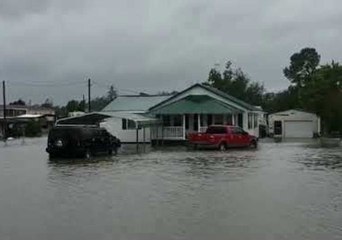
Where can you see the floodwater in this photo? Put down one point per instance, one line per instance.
(280, 191)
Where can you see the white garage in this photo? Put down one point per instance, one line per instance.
(294, 124)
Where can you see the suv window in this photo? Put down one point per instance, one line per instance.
(216, 130)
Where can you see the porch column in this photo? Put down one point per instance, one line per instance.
(245, 121)
(233, 119)
(137, 138)
(144, 137)
(199, 122)
(183, 126)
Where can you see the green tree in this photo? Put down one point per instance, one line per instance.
(323, 95)
(48, 103)
(72, 106)
(112, 93)
(236, 83)
(302, 66)
(18, 102)
(33, 129)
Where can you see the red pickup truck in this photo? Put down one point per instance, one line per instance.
(222, 137)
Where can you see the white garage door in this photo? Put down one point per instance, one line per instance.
(298, 129)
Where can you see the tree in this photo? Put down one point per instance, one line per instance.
(326, 87)
(72, 106)
(18, 102)
(280, 101)
(302, 66)
(112, 93)
(48, 103)
(236, 83)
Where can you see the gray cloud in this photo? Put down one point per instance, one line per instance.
(155, 45)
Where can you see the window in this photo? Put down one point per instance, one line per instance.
(166, 120)
(210, 119)
(218, 119)
(229, 120)
(177, 120)
(128, 124)
(237, 130)
(216, 130)
(250, 120)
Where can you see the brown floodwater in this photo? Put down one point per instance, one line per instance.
(280, 191)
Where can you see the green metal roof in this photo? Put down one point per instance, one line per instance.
(134, 103)
(196, 104)
(213, 90)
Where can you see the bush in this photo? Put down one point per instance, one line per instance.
(33, 129)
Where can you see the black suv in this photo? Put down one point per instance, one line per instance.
(80, 141)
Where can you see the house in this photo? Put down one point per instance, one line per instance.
(171, 118)
(294, 124)
(200, 106)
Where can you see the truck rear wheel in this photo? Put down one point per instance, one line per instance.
(253, 144)
(87, 154)
(223, 147)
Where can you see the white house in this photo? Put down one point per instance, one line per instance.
(294, 124)
(152, 118)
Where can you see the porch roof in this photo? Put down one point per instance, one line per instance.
(196, 104)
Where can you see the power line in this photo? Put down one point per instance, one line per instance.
(46, 84)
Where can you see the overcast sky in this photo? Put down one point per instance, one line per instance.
(154, 45)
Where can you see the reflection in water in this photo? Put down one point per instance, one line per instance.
(274, 192)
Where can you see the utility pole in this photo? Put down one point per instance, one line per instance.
(84, 104)
(89, 86)
(4, 127)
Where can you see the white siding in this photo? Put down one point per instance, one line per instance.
(114, 126)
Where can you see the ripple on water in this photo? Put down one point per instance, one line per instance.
(273, 192)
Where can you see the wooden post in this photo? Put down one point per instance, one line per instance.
(199, 122)
(144, 137)
(137, 137)
(162, 140)
(151, 127)
(184, 127)
(157, 135)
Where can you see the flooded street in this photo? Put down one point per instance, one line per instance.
(280, 191)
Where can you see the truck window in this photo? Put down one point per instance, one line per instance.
(216, 130)
(237, 130)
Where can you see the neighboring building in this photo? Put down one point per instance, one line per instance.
(173, 117)
(294, 124)
(75, 114)
(18, 115)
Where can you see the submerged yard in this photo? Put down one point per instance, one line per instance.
(283, 190)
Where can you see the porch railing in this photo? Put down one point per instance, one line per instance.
(203, 129)
(167, 133)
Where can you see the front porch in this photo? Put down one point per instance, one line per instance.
(177, 126)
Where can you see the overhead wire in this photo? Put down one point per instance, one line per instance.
(69, 83)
